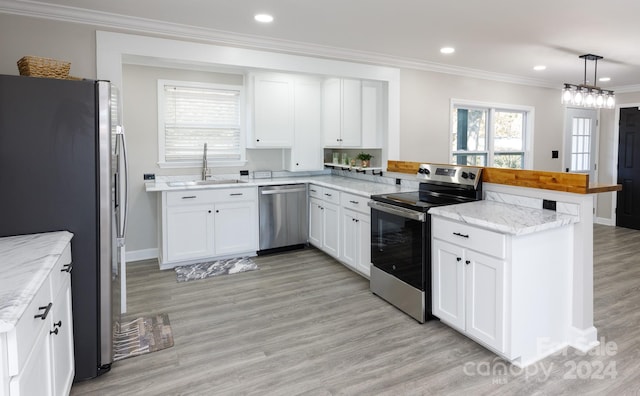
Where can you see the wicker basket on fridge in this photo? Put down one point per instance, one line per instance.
(36, 66)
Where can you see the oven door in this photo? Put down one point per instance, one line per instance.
(399, 242)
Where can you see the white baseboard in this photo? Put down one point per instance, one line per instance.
(605, 221)
(583, 340)
(143, 254)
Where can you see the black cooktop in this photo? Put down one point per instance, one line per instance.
(408, 200)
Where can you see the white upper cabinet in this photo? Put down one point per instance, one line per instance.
(306, 153)
(372, 115)
(271, 120)
(342, 112)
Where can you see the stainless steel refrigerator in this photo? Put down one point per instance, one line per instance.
(63, 167)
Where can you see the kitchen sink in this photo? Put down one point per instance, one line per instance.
(204, 182)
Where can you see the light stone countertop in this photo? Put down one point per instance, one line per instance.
(504, 218)
(26, 262)
(354, 186)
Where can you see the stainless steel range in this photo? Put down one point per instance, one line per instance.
(401, 235)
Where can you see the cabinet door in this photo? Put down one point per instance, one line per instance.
(35, 377)
(272, 111)
(448, 283)
(331, 112)
(331, 229)
(62, 342)
(189, 232)
(351, 133)
(485, 298)
(234, 227)
(315, 222)
(363, 264)
(306, 154)
(349, 248)
(372, 114)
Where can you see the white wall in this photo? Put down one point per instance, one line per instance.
(424, 109)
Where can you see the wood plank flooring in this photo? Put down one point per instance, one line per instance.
(304, 324)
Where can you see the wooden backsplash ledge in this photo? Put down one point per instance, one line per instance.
(558, 181)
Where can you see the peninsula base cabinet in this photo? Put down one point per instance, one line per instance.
(36, 356)
(206, 224)
(510, 293)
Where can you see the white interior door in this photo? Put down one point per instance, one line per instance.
(580, 151)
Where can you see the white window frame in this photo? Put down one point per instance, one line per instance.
(492, 107)
(162, 163)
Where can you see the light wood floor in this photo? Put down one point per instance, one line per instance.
(304, 324)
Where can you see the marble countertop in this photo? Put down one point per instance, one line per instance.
(504, 218)
(354, 186)
(26, 262)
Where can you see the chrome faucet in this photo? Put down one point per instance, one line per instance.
(206, 172)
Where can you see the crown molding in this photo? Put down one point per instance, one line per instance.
(179, 31)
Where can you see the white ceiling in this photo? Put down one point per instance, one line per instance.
(492, 37)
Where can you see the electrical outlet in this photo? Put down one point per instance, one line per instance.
(397, 181)
(547, 204)
(149, 176)
(554, 153)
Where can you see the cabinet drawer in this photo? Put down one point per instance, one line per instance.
(60, 274)
(23, 337)
(355, 202)
(235, 194)
(315, 191)
(331, 195)
(478, 239)
(189, 197)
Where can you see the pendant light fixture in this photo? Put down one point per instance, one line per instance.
(585, 95)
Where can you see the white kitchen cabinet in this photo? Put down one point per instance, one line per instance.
(468, 292)
(234, 222)
(324, 219)
(373, 117)
(306, 153)
(271, 123)
(356, 233)
(37, 355)
(189, 232)
(503, 290)
(200, 225)
(342, 112)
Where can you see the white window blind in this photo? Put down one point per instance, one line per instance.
(195, 114)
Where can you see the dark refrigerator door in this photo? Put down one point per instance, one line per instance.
(48, 174)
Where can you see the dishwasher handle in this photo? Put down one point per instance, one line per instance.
(283, 191)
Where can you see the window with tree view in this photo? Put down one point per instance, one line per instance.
(489, 136)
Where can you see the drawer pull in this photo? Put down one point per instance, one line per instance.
(54, 331)
(458, 258)
(312, 190)
(461, 235)
(67, 268)
(354, 202)
(328, 195)
(189, 197)
(59, 324)
(236, 194)
(467, 262)
(43, 315)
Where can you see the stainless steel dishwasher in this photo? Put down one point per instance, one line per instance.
(283, 217)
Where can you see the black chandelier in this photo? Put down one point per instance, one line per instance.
(585, 95)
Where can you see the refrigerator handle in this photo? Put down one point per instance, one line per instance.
(123, 229)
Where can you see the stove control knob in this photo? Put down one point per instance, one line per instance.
(421, 170)
(472, 176)
(465, 175)
(427, 172)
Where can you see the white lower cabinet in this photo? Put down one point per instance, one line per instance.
(205, 224)
(324, 219)
(356, 233)
(468, 292)
(36, 357)
(511, 293)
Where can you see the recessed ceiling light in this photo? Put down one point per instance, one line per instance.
(604, 79)
(539, 67)
(264, 18)
(447, 50)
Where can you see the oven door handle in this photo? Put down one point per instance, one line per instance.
(398, 211)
